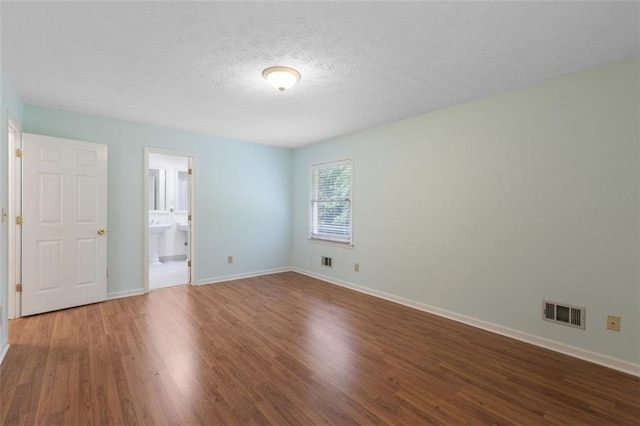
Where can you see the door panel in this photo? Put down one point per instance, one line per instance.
(87, 261)
(64, 206)
(50, 260)
(50, 194)
(87, 192)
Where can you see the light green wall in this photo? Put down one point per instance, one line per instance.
(486, 208)
(243, 195)
(482, 209)
(11, 105)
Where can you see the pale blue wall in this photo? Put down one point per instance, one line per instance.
(486, 208)
(482, 209)
(243, 195)
(11, 105)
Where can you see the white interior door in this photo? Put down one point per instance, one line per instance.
(64, 250)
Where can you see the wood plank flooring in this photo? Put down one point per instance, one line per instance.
(289, 349)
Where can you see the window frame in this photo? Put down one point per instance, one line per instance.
(317, 238)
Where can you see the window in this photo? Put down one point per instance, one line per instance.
(331, 201)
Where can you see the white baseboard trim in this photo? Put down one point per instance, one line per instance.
(4, 349)
(596, 358)
(125, 293)
(224, 278)
(139, 291)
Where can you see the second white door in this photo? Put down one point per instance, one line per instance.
(64, 250)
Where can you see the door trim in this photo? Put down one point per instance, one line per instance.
(14, 204)
(192, 208)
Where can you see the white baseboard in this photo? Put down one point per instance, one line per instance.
(124, 293)
(224, 278)
(4, 349)
(596, 358)
(139, 291)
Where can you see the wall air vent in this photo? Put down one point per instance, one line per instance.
(561, 313)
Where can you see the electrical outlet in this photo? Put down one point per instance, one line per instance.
(613, 323)
(356, 267)
(229, 259)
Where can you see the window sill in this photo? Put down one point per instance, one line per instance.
(330, 243)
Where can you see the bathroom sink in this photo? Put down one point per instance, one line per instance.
(159, 228)
(183, 226)
(155, 230)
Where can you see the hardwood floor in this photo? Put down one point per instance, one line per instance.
(289, 349)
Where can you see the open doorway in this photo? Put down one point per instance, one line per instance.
(169, 231)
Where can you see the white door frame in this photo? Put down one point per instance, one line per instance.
(192, 208)
(14, 207)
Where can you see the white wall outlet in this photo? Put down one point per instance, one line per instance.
(229, 259)
(356, 267)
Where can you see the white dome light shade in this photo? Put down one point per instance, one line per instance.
(282, 78)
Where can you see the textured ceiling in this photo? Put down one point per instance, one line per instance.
(197, 66)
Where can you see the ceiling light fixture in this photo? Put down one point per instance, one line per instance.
(282, 78)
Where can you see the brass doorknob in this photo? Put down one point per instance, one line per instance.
(101, 231)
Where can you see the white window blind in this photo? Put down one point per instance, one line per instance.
(331, 201)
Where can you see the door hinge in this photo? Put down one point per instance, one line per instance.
(190, 171)
(19, 288)
(189, 263)
(19, 153)
(18, 220)
(189, 217)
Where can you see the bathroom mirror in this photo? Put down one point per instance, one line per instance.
(182, 191)
(157, 190)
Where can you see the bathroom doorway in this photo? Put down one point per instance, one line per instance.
(169, 201)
